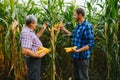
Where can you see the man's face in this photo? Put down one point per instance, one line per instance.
(77, 16)
(34, 24)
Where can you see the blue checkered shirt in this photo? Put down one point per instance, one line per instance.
(82, 36)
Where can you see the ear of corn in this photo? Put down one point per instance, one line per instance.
(54, 31)
(69, 49)
(57, 26)
(43, 49)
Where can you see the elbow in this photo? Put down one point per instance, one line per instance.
(24, 51)
(91, 45)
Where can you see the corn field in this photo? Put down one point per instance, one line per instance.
(105, 60)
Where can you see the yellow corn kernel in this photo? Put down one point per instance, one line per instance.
(69, 49)
(43, 49)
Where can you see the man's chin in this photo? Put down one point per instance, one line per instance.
(35, 28)
(76, 20)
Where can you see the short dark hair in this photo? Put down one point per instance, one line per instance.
(80, 11)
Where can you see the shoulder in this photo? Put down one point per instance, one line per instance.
(88, 25)
(25, 32)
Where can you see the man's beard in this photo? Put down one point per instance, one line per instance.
(77, 19)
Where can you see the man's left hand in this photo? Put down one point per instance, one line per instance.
(44, 26)
(74, 50)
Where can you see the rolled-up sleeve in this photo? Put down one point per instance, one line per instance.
(89, 36)
(26, 40)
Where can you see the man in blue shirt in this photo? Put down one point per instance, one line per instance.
(83, 38)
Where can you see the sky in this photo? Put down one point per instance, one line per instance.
(81, 3)
(78, 2)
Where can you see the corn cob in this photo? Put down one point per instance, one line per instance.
(57, 26)
(69, 49)
(43, 49)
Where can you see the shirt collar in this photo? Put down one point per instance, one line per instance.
(29, 29)
(81, 23)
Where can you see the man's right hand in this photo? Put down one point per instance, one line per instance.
(40, 55)
(30, 53)
(62, 27)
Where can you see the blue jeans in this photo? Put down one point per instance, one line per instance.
(33, 66)
(80, 69)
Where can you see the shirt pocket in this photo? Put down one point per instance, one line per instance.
(35, 41)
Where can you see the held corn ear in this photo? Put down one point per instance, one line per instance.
(69, 49)
(43, 49)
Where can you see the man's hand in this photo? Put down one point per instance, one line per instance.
(74, 50)
(30, 53)
(85, 48)
(39, 34)
(44, 26)
(62, 27)
(42, 54)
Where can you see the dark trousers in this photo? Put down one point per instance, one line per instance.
(33, 66)
(80, 69)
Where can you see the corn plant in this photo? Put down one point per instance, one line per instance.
(53, 12)
(106, 35)
(12, 59)
(52, 16)
(57, 65)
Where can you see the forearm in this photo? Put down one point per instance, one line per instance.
(66, 31)
(39, 34)
(85, 48)
(30, 53)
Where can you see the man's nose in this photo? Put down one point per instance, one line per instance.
(36, 24)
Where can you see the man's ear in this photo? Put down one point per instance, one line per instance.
(31, 24)
(79, 15)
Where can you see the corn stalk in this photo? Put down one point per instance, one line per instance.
(10, 51)
(106, 34)
(54, 32)
(57, 64)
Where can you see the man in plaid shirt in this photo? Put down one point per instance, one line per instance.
(83, 38)
(30, 43)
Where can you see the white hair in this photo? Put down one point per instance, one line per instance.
(30, 19)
